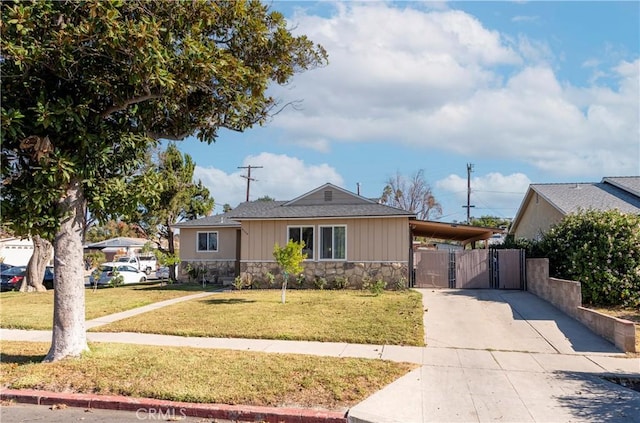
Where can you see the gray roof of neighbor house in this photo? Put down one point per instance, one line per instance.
(622, 193)
(297, 209)
(119, 242)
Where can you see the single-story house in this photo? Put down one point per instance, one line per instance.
(346, 236)
(547, 204)
(16, 251)
(125, 246)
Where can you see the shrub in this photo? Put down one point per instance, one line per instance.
(341, 282)
(375, 287)
(238, 283)
(602, 251)
(320, 283)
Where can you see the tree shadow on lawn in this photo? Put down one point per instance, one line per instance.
(599, 399)
(21, 359)
(227, 301)
(190, 287)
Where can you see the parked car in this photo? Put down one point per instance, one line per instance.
(7, 282)
(162, 273)
(143, 263)
(108, 271)
(12, 277)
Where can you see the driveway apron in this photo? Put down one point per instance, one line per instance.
(505, 321)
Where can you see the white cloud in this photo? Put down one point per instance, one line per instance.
(281, 177)
(441, 81)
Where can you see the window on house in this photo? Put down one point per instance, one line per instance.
(207, 241)
(303, 233)
(333, 242)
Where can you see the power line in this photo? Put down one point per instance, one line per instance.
(248, 176)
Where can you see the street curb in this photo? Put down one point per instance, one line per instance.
(174, 408)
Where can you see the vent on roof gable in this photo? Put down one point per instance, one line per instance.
(328, 195)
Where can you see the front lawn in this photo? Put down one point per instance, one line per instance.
(393, 318)
(34, 310)
(200, 375)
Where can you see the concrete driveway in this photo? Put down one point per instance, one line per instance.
(500, 320)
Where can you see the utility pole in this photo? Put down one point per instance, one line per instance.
(468, 206)
(248, 176)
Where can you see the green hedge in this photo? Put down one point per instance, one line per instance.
(601, 250)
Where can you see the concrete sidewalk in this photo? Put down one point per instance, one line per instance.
(492, 356)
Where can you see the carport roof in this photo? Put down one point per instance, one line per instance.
(451, 231)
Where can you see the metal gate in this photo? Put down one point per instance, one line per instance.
(471, 269)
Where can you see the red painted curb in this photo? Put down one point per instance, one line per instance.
(174, 408)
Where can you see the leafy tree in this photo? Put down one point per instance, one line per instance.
(289, 258)
(601, 249)
(88, 87)
(226, 207)
(266, 198)
(112, 229)
(179, 199)
(490, 222)
(412, 195)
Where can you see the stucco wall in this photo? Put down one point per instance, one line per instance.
(226, 244)
(538, 216)
(567, 296)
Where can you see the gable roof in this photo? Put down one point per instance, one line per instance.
(621, 193)
(311, 205)
(119, 242)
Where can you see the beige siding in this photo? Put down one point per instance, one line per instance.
(368, 239)
(226, 244)
(537, 218)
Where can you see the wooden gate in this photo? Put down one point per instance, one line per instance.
(469, 269)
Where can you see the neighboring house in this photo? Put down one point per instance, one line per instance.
(16, 251)
(117, 246)
(345, 235)
(547, 204)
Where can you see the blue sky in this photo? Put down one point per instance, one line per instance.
(529, 92)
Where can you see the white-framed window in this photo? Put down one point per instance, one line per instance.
(207, 241)
(303, 233)
(333, 242)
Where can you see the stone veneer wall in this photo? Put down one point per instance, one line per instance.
(567, 296)
(336, 274)
(220, 270)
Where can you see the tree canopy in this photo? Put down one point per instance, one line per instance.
(179, 199)
(88, 87)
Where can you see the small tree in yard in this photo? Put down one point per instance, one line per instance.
(289, 258)
(601, 249)
(89, 87)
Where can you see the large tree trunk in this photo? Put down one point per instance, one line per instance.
(32, 280)
(69, 337)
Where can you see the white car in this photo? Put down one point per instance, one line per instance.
(105, 274)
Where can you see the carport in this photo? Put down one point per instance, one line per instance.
(465, 234)
(475, 268)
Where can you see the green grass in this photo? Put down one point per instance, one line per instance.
(200, 375)
(330, 316)
(34, 310)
